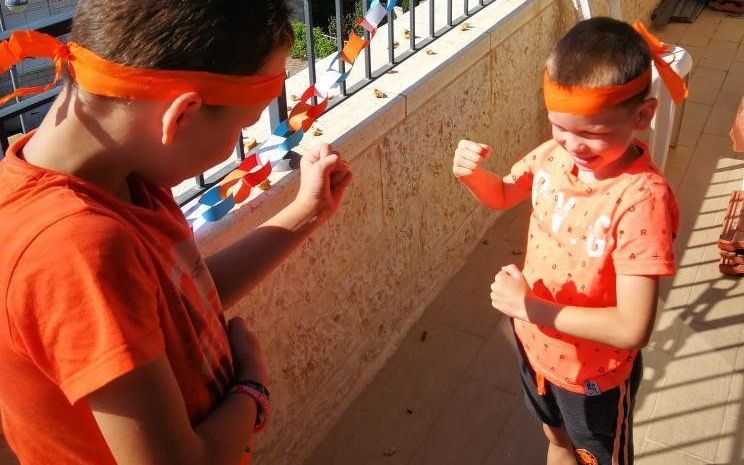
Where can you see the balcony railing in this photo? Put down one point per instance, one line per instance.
(60, 24)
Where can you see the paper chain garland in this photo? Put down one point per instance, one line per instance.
(236, 186)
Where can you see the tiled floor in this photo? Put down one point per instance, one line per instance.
(450, 395)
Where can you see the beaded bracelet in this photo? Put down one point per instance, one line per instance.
(260, 395)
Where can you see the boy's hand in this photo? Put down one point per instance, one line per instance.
(324, 177)
(509, 292)
(246, 351)
(468, 156)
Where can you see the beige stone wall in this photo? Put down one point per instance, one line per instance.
(331, 316)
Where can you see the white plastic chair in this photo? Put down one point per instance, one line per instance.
(666, 124)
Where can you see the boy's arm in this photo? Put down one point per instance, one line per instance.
(143, 418)
(626, 326)
(485, 186)
(239, 267)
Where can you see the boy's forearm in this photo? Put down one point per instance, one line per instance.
(227, 432)
(487, 188)
(238, 268)
(605, 325)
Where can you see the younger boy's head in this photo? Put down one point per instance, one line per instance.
(229, 37)
(601, 52)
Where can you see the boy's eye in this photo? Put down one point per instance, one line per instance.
(599, 133)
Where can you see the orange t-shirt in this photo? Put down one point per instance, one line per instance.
(92, 287)
(580, 238)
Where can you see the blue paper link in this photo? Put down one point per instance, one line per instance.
(218, 207)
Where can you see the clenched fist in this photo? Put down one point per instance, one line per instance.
(468, 156)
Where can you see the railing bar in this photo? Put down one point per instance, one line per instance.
(310, 44)
(431, 18)
(367, 49)
(391, 39)
(200, 181)
(340, 26)
(449, 13)
(240, 147)
(278, 107)
(465, 7)
(412, 17)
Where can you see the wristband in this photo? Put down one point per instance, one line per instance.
(260, 395)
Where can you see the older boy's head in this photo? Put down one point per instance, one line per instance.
(600, 52)
(222, 37)
(218, 36)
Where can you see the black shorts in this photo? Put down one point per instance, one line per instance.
(600, 427)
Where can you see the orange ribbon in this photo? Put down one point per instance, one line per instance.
(579, 100)
(673, 82)
(99, 76)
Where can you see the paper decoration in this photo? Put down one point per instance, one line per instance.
(236, 187)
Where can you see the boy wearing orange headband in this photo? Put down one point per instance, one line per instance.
(601, 233)
(113, 344)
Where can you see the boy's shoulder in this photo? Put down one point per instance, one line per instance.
(51, 219)
(643, 180)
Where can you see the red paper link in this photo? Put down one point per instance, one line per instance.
(247, 178)
(353, 48)
(304, 114)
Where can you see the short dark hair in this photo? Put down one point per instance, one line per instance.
(219, 36)
(600, 52)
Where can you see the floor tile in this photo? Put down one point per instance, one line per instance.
(705, 84)
(731, 29)
(719, 54)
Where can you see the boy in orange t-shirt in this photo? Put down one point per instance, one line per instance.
(601, 233)
(113, 343)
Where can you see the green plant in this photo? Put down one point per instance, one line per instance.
(350, 18)
(323, 45)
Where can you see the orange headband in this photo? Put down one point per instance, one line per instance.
(590, 100)
(99, 76)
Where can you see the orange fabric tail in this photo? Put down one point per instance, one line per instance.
(673, 82)
(31, 44)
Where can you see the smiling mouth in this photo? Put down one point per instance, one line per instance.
(584, 160)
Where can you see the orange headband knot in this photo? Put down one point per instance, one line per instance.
(579, 100)
(99, 76)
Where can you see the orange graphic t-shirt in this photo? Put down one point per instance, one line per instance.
(91, 288)
(580, 238)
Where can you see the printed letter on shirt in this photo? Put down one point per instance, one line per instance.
(595, 245)
(562, 208)
(541, 183)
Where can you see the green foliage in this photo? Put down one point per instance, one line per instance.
(323, 45)
(350, 18)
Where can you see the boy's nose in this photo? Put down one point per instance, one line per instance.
(575, 145)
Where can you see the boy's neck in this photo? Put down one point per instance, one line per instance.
(73, 141)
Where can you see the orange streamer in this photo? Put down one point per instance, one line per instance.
(353, 48)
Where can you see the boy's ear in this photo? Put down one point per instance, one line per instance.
(178, 114)
(645, 113)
